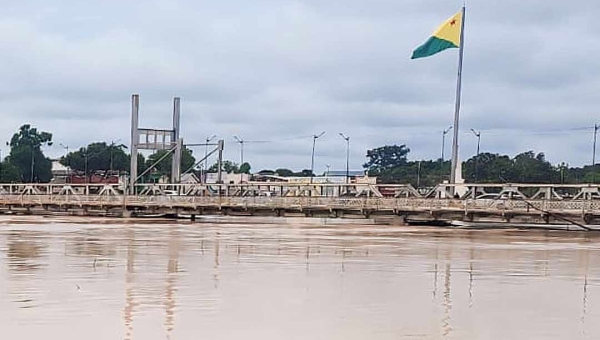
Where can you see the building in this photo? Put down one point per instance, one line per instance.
(60, 173)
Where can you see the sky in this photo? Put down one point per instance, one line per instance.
(275, 73)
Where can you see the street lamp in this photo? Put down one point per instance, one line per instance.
(33, 146)
(596, 127)
(444, 133)
(418, 175)
(86, 158)
(208, 139)
(478, 135)
(66, 147)
(312, 159)
(241, 141)
(347, 138)
(112, 146)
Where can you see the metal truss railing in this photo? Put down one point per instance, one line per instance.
(482, 193)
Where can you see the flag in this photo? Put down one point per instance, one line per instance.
(446, 36)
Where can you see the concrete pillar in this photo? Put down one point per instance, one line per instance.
(176, 169)
(133, 146)
(220, 162)
(176, 164)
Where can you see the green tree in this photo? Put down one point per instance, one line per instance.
(284, 172)
(492, 168)
(98, 156)
(164, 167)
(531, 168)
(245, 168)
(227, 166)
(386, 158)
(266, 172)
(305, 173)
(9, 173)
(526, 167)
(27, 157)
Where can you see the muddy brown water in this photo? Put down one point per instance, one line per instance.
(238, 279)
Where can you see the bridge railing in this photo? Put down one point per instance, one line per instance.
(299, 203)
(484, 192)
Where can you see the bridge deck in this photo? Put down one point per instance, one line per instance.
(507, 203)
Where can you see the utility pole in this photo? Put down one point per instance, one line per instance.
(33, 147)
(221, 146)
(85, 172)
(112, 145)
(241, 141)
(312, 159)
(444, 133)
(418, 175)
(32, 163)
(478, 135)
(204, 168)
(347, 138)
(66, 147)
(596, 127)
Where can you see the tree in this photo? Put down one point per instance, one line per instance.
(526, 167)
(245, 168)
(164, 167)
(284, 172)
(227, 166)
(266, 172)
(305, 173)
(492, 168)
(27, 157)
(97, 156)
(8, 173)
(531, 168)
(386, 158)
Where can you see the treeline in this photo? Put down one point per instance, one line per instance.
(391, 165)
(26, 162)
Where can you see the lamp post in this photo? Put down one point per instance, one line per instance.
(204, 168)
(33, 147)
(241, 141)
(418, 175)
(312, 159)
(66, 147)
(347, 139)
(112, 145)
(478, 135)
(444, 133)
(596, 127)
(85, 167)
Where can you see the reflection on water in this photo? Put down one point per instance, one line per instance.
(25, 252)
(234, 280)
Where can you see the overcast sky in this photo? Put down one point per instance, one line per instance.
(280, 71)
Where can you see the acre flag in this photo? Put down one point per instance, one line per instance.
(446, 36)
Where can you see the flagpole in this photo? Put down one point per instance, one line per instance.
(455, 159)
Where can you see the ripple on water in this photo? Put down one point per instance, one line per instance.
(232, 278)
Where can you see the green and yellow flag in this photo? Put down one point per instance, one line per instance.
(446, 36)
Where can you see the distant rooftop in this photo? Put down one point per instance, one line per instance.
(342, 173)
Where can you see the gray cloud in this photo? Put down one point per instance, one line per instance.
(280, 71)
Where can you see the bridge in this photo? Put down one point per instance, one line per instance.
(544, 205)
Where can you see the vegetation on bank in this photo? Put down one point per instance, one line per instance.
(26, 163)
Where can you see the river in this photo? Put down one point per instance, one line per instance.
(75, 278)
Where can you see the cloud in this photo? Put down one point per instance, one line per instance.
(280, 71)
